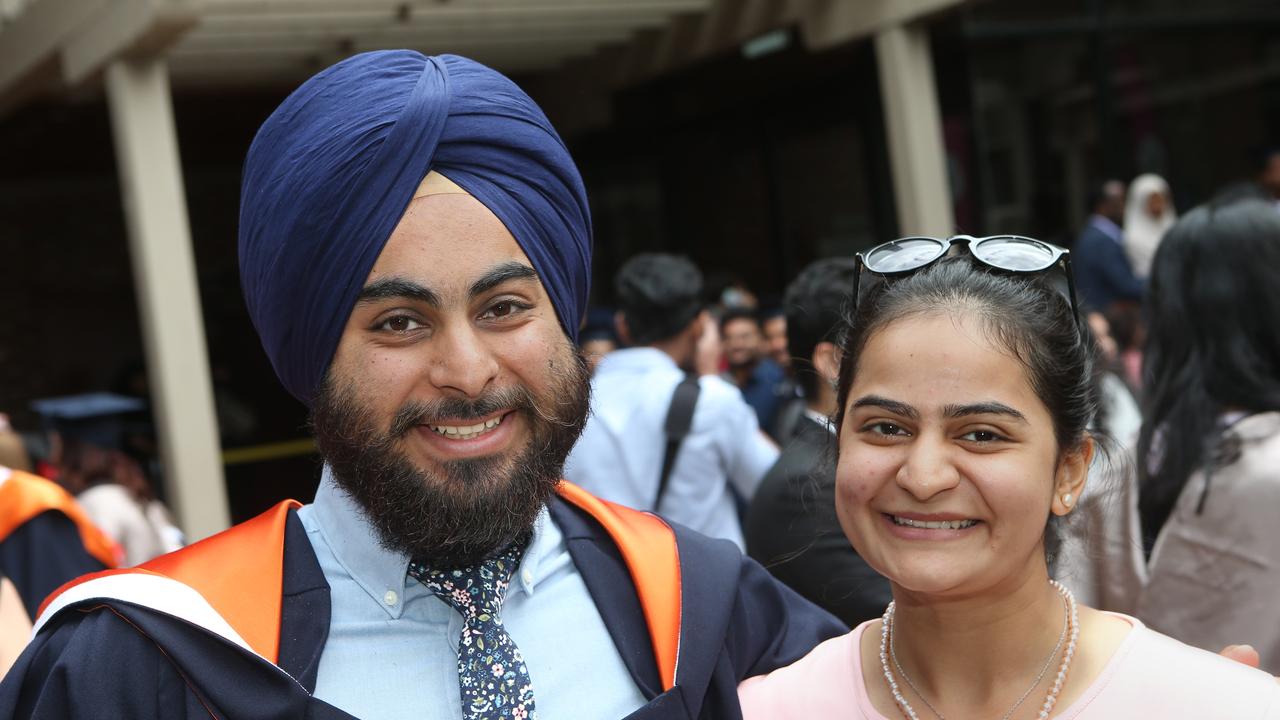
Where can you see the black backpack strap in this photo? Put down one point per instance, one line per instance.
(679, 420)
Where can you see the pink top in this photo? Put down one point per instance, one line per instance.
(1150, 675)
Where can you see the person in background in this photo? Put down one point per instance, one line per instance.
(623, 453)
(763, 382)
(1148, 215)
(46, 538)
(112, 489)
(1209, 451)
(773, 323)
(966, 391)
(1103, 274)
(598, 336)
(791, 525)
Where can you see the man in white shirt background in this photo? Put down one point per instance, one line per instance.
(621, 454)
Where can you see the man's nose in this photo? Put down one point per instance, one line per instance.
(463, 362)
(928, 468)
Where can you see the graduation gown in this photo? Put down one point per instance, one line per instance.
(688, 630)
(45, 538)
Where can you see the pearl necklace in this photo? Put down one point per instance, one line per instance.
(1051, 699)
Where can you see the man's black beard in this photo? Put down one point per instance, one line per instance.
(468, 509)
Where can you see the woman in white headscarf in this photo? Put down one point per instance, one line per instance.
(1148, 215)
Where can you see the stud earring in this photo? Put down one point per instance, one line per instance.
(1066, 499)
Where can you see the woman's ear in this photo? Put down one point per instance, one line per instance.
(1072, 474)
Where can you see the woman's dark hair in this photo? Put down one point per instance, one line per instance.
(1212, 344)
(1022, 313)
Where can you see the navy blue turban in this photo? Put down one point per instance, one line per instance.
(333, 169)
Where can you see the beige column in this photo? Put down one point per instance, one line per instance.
(913, 125)
(169, 301)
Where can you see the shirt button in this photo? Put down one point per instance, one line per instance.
(390, 598)
(527, 577)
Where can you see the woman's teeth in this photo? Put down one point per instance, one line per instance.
(934, 525)
(467, 432)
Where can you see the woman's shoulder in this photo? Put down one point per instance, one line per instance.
(823, 683)
(1162, 677)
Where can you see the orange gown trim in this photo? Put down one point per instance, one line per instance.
(247, 592)
(648, 547)
(24, 496)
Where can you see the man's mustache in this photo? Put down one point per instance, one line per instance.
(415, 413)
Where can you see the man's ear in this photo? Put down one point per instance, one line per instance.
(826, 360)
(1073, 472)
(623, 330)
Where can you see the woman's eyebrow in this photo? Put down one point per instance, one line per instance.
(990, 407)
(894, 406)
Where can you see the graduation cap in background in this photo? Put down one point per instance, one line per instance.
(99, 418)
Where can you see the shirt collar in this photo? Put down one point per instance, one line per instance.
(356, 546)
(819, 418)
(636, 358)
(1108, 228)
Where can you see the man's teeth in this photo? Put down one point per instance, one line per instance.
(935, 525)
(466, 432)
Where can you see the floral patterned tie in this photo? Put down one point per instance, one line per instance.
(491, 671)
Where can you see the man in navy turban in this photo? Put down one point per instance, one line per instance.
(415, 249)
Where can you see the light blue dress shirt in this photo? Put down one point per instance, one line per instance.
(392, 647)
(619, 456)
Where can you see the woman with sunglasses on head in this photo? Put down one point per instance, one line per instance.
(966, 389)
(1209, 450)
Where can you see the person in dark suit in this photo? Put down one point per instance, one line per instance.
(791, 526)
(1103, 274)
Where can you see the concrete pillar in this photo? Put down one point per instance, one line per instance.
(164, 273)
(913, 124)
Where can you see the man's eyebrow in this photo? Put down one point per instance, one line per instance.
(397, 288)
(505, 272)
(893, 406)
(989, 407)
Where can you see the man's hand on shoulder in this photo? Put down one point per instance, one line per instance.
(1243, 654)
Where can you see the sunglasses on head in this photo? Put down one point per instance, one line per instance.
(1008, 253)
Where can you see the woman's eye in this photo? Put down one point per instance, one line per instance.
(400, 324)
(886, 428)
(981, 436)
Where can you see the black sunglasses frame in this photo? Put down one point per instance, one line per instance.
(1060, 260)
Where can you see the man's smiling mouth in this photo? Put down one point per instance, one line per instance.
(467, 432)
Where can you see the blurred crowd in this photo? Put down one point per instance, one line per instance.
(1190, 382)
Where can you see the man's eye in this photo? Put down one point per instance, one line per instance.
(504, 308)
(399, 324)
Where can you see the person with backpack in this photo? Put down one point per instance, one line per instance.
(660, 437)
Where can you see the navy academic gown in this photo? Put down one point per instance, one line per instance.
(42, 554)
(122, 660)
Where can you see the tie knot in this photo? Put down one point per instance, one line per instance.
(475, 591)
